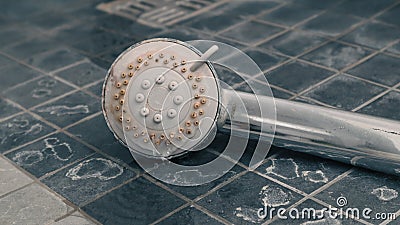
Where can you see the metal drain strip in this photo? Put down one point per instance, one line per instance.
(156, 13)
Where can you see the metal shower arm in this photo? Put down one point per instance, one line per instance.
(357, 139)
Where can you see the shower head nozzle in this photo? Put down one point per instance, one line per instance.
(161, 98)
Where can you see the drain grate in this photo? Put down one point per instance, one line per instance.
(158, 13)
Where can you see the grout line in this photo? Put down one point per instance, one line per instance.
(330, 39)
(57, 130)
(249, 19)
(397, 215)
(365, 80)
(211, 214)
(376, 97)
(104, 193)
(338, 71)
(53, 72)
(49, 74)
(171, 213)
(280, 183)
(45, 187)
(343, 213)
(309, 196)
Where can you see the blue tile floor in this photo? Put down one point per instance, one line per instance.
(60, 163)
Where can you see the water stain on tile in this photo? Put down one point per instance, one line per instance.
(22, 128)
(103, 170)
(88, 178)
(336, 55)
(373, 34)
(53, 148)
(288, 166)
(60, 110)
(274, 196)
(248, 214)
(49, 154)
(314, 176)
(37, 91)
(69, 109)
(384, 193)
(325, 221)
(270, 196)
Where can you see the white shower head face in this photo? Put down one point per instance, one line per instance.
(155, 104)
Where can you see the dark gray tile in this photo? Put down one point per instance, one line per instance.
(391, 16)
(251, 32)
(4, 61)
(7, 108)
(88, 131)
(193, 192)
(111, 55)
(14, 74)
(75, 33)
(305, 100)
(239, 201)
(49, 154)
(69, 109)
(395, 49)
(31, 47)
(52, 20)
(102, 41)
(11, 35)
(362, 8)
(213, 23)
(280, 94)
(381, 68)
(20, 130)
(229, 42)
(297, 76)
(323, 24)
(310, 212)
(37, 91)
(374, 35)
(227, 76)
(83, 73)
(376, 191)
(257, 85)
(96, 89)
(125, 26)
(317, 4)
(387, 106)
(186, 34)
(29, 9)
(293, 43)
(85, 180)
(189, 216)
(344, 92)
(138, 202)
(264, 60)
(304, 172)
(290, 14)
(336, 55)
(248, 8)
(52, 60)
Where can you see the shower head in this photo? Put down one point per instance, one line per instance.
(161, 97)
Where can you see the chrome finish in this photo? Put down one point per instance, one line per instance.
(353, 138)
